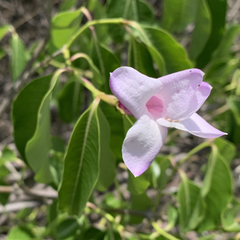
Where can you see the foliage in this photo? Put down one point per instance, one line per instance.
(86, 172)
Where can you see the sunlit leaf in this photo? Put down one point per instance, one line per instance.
(64, 25)
(230, 217)
(4, 29)
(18, 56)
(191, 207)
(226, 149)
(173, 53)
(81, 162)
(67, 4)
(216, 190)
(19, 233)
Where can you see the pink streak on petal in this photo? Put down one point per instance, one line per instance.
(155, 107)
(177, 92)
(133, 89)
(124, 109)
(142, 144)
(195, 125)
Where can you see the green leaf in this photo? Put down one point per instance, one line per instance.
(18, 56)
(229, 215)
(191, 207)
(218, 15)
(67, 228)
(140, 58)
(20, 233)
(159, 174)
(173, 53)
(25, 111)
(177, 14)
(115, 121)
(138, 10)
(106, 61)
(139, 203)
(234, 105)
(67, 4)
(64, 25)
(172, 217)
(201, 30)
(226, 149)
(70, 101)
(4, 30)
(138, 185)
(7, 155)
(2, 53)
(227, 40)
(216, 190)
(107, 165)
(81, 162)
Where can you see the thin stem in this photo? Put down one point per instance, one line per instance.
(193, 151)
(162, 232)
(92, 23)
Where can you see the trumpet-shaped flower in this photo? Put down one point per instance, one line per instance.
(169, 101)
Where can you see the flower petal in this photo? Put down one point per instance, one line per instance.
(196, 125)
(177, 92)
(198, 99)
(133, 89)
(142, 144)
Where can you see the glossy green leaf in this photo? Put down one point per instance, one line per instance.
(70, 101)
(140, 58)
(107, 166)
(115, 121)
(4, 29)
(216, 190)
(81, 163)
(20, 233)
(227, 40)
(177, 14)
(64, 25)
(201, 30)
(229, 217)
(18, 56)
(174, 55)
(218, 15)
(226, 149)
(67, 228)
(138, 185)
(67, 4)
(191, 207)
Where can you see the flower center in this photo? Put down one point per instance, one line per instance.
(155, 107)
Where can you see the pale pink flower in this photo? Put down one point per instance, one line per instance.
(169, 101)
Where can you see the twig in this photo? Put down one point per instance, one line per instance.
(16, 206)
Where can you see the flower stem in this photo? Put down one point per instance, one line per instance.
(162, 232)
